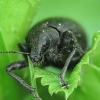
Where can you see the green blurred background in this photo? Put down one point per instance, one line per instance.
(17, 17)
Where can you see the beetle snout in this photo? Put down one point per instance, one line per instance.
(35, 57)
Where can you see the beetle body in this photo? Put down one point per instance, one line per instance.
(50, 41)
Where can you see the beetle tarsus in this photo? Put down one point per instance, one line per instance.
(35, 94)
(63, 83)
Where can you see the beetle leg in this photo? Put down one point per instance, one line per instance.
(17, 66)
(77, 45)
(76, 48)
(63, 72)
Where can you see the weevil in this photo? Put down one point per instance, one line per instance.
(52, 41)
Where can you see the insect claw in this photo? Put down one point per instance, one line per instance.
(64, 84)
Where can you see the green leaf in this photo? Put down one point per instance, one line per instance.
(53, 81)
(32, 71)
(89, 85)
(31, 68)
(7, 85)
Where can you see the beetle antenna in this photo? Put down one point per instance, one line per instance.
(16, 52)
